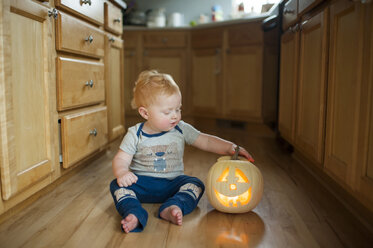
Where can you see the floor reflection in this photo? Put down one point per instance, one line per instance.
(235, 230)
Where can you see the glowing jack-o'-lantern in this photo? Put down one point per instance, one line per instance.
(234, 186)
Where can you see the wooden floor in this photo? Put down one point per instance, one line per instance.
(294, 211)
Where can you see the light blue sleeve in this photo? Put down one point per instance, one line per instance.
(129, 142)
(189, 132)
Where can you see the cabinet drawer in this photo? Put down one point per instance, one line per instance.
(92, 10)
(113, 18)
(207, 38)
(82, 134)
(79, 83)
(250, 33)
(289, 14)
(73, 35)
(174, 39)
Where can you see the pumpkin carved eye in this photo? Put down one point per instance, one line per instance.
(241, 176)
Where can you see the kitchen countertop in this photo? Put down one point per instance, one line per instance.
(253, 18)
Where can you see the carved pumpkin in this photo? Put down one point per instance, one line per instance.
(234, 186)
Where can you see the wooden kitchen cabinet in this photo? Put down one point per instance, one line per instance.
(29, 126)
(227, 73)
(206, 84)
(332, 132)
(82, 54)
(348, 34)
(206, 72)
(303, 80)
(130, 77)
(364, 175)
(288, 84)
(170, 61)
(220, 73)
(164, 51)
(52, 88)
(132, 49)
(311, 89)
(243, 85)
(243, 73)
(114, 86)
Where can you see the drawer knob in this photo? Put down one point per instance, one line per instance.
(111, 39)
(89, 83)
(164, 40)
(288, 11)
(86, 2)
(117, 20)
(53, 12)
(89, 39)
(93, 132)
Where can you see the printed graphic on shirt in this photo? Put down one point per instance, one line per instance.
(160, 158)
(191, 189)
(122, 193)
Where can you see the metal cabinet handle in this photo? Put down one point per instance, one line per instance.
(89, 39)
(117, 20)
(164, 40)
(53, 12)
(288, 11)
(86, 2)
(295, 28)
(302, 24)
(111, 39)
(93, 132)
(89, 83)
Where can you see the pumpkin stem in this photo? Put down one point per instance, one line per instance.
(235, 155)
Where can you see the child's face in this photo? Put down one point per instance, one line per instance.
(164, 114)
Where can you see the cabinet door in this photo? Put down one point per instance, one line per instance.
(170, 61)
(311, 101)
(243, 83)
(365, 151)
(288, 85)
(344, 88)
(29, 126)
(114, 87)
(206, 97)
(130, 75)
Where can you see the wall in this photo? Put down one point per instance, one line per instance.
(190, 8)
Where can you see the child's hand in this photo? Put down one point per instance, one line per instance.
(127, 179)
(243, 152)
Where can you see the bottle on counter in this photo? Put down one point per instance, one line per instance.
(217, 13)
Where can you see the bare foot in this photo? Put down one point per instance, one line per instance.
(173, 214)
(129, 223)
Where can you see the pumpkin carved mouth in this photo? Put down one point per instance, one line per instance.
(228, 201)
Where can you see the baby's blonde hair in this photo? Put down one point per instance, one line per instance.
(149, 85)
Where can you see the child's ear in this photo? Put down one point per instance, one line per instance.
(143, 112)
